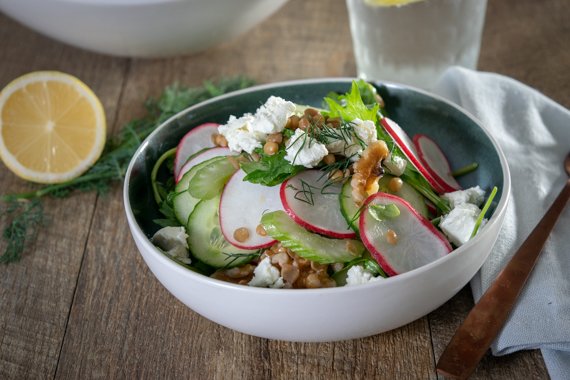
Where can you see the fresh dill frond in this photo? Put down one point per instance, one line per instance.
(305, 194)
(356, 216)
(26, 216)
(330, 169)
(345, 132)
(233, 257)
(112, 165)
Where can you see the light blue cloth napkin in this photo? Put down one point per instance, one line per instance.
(534, 133)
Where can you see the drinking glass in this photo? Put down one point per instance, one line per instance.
(414, 41)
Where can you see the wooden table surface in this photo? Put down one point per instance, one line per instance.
(82, 303)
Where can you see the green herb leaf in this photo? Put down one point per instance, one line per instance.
(350, 106)
(269, 170)
(484, 211)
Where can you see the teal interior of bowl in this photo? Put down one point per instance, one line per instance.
(460, 137)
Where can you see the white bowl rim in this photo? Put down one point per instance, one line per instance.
(118, 2)
(133, 3)
(139, 234)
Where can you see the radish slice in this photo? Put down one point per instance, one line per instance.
(201, 157)
(405, 143)
(313, 202)
(194, 141)
(242, 205)
(418, 242)
(435, 162)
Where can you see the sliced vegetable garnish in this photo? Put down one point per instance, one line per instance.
(407, 146)
(312, 200)
(402, 243)
(435, 162)
(210, 179)
(184, 203)
(201, 157)
(405, 191)
(206, 241)
(198, 138)
(307, 244)
(382, 212)
(241, 207)
(348, 207)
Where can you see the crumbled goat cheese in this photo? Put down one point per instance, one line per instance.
(249, 131)
(396, 165)
(240, 134)
(459, 223)
(304, 150)
(273, 115)
(173, 241)
(266, 275)
(364, 134)
(357, 275)
(474, 195)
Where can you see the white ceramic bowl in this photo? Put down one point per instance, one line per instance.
(141, 28)
(333, 313)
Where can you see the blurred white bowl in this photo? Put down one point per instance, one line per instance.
(332, 313)
(141, 28)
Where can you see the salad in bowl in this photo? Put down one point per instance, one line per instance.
(294, 196)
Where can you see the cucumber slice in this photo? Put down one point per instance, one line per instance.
(210, 179)
(348, 207)
(206, 241)
(306, 244)
(184, 203)
(406, 192)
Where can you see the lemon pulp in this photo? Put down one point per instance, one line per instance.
(52, 127)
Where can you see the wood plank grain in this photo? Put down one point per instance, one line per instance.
(402, 353)
(528, 40)
(36, 293)
(445, 320)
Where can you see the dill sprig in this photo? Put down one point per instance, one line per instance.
(345, 133)
(26, 216)
(233, 257)
(329, 170)
(305, 194)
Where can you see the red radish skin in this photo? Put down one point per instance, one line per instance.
(242, 205)
(196, 139)
(203, 156)
(286, 199)
(407, 146)
(432, 157)
(439, 239)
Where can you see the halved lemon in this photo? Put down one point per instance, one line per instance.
(52, 127)
(389, 3)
